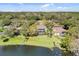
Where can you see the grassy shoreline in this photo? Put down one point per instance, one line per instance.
(42, 41)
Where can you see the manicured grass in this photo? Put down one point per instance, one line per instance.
(14, 41)
(42, 40)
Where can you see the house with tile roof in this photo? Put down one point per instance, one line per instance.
(58, 30)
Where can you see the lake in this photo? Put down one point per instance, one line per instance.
(25, 50)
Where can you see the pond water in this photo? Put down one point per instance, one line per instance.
(24, 50)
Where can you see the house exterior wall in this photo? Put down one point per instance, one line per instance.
(41, 31)
(57, 34)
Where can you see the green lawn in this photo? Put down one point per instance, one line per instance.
(43, 41)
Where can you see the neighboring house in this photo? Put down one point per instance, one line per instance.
(1, 33)
(58, 30)
(8, 27)
(12, 27)
(41, 28)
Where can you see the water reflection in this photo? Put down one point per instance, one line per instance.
(56, 51)
(24, 50)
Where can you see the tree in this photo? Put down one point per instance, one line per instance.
(74, 44)
(69, 23)
(25, 29)
(6, 22)
(33, 30)
(10, 32)
(64, 43)
(49, 26)
(74, 31)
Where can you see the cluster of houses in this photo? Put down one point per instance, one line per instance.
(41, 29)
(56, 30)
